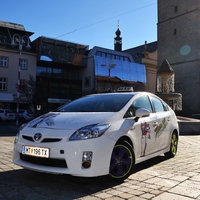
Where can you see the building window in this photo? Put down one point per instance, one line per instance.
(175, 31)
(24, 64)
(3, 61)
(3, 83)
(176, 9)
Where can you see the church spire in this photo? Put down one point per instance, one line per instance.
(118, 40)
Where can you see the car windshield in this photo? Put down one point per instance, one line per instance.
(97, 103)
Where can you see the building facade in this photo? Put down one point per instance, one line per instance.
(112, 69)
(60, 68)
(147, 55)
(178, 42)
(11, 37)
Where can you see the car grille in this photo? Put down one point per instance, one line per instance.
(44, 140)
(28, 138)
(51, 140)
(44, 161)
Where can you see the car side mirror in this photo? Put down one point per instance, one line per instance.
(141, 112)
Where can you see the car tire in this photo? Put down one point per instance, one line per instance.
(122, 161)
(173, 146)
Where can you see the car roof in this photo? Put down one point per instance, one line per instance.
(128, 93)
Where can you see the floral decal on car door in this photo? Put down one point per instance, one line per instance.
(145, 127)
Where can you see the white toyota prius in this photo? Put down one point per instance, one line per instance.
(100, 134)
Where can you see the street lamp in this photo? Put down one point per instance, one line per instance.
(19, 40)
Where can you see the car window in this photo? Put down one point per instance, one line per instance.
(98, 103)
(130, 112)
(166, 107)
(157, 104)
(140, 102)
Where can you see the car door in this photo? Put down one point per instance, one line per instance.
(161, 129)
(144, 127)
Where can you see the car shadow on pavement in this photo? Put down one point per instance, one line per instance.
(23, 184)
(149, 163)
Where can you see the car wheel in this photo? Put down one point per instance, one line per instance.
(173, 147)
(122, 161)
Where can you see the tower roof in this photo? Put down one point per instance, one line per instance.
(118, 32)
(165, 68)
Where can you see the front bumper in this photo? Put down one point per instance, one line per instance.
(72, 152)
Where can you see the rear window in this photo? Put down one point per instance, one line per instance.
(98, 103)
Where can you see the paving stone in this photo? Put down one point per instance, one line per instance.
(125, 195)
(195, 178)
(141, 177)
(147, 196)
(156, 192)
(169, 196)
(145, 189)
(191, 184)
(179, 178)
(162, 182)
(137, 198)
(186, 191)
(114, 192)
(136, 192)
(114, 198)
(133, 186)
(124, 189)
(103, 195)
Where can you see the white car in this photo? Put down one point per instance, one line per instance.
(98, 135)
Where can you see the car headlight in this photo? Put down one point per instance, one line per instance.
(16, 138)
(89, 132)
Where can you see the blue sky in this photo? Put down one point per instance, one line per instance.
(90, 22)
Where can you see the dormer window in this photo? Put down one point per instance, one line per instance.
(17, 39)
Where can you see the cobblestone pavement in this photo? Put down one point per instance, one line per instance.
(157, 179)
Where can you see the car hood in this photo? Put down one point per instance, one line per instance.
(70, 121)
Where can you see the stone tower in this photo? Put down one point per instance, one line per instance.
(178, 42)
(118, 40)
(165, 86)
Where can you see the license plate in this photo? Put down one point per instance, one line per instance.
(36, 151)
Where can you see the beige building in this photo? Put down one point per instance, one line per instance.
(178, 42)
(147, 55)
(11, 37)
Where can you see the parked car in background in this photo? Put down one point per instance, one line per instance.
(25, 115)
(7, 114)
